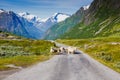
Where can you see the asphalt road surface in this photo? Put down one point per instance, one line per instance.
(67, 67)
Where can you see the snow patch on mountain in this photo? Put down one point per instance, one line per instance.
(62, 17)
(49, 22)
(44, 20)
(1, 11)
(30, 17)
(58, 17)
(86, 7)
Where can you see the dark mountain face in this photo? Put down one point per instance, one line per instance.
(11, 22)
(99, 6)
(101, 9)
(59, 29)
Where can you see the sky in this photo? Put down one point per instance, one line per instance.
(43, 8)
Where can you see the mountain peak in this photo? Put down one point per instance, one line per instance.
(86, 7)
(56, 14)
(8, 12)
(24, 13)
(58, 17)
(29, 16)
(2, 10)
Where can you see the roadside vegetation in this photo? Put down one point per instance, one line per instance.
(106, 50)
(23, 52)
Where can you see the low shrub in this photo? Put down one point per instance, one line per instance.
(23, 52)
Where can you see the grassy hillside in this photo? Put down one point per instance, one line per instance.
(105, 50)
(106, 23)
(23, 52)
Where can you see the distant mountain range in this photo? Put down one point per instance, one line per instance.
(44, 24)
(13, 23)
(27, 25)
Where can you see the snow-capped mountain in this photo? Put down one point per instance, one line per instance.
(30, 17)
(86, 7)
(49, 22)
(26, 24)
(58, 17)
(1, 10)
(44, 24)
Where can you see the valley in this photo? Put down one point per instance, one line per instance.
(26, 41)
(67, 67)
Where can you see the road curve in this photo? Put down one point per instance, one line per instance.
(67, 67)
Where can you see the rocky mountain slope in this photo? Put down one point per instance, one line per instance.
(13, 23)
(27, 25)
(102, 19)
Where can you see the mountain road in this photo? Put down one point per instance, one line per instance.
(67, 67)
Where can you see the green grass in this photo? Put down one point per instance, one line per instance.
(36, 47)
(105, 50)
(22, 61)
(23, 52)
(99, 28)
(106, 22)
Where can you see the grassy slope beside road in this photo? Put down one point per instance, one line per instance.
(105, 50)
(23, 52)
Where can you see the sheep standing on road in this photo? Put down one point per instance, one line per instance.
(63, 50)
(71, 50)
(53, 50)
(60, 50)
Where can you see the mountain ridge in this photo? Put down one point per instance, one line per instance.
(25, 24)
(11, 22)
(102, 19)
(44, 24)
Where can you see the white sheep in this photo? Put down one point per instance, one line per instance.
(71, 50)
(53, 50)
